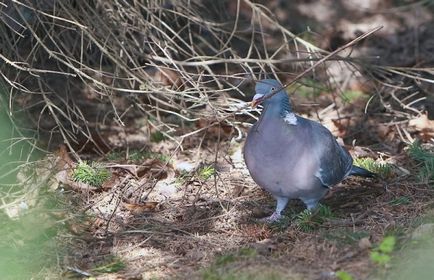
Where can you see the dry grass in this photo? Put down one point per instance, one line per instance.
(117, 75)
(68, 60)
(209, 228)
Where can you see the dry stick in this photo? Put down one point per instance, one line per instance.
(263, 14)
(327, 57)
(118, 202)
(215, 172)
(162, 170)
(349, 44)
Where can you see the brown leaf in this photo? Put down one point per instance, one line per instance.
(387, 135)
(256, 232)
(216, 130)
(168, 77)
(425, 126)
(63, 159)
(130, 168)
(340, 126)
(244, 9)
(164, 77)
(238, 190)
(365, 243)
(422, 123)
(140, 208)
(77, 186)
(156, 169)
(109, 184)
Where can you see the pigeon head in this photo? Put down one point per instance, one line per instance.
(267, 87)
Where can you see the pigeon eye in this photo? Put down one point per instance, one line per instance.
(273, 88)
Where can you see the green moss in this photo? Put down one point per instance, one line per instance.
(308, 221)
(115, 156)
(241, 254)
(233, 266)
(91, 174)
(343, 275)
(343, 236)
(381, 169)
(402, 200)
(136, 155)
(308, 88)
(206, 172)
(425, 160)
(112, 265)
(282, 224)
(157, 137)
(352, 95)
(248, 274)
(381, 254)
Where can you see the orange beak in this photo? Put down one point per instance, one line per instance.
(255, 103)
(257, 99)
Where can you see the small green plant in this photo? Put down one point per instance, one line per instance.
(115, 155)
(247, 252)
(157, 136)
(242, 253)
(381, 254)
(136, 155)
(183, 177)
(206, 172)
(225, 259)
(246, 272)
(352, 95)
(92, 174)
(343, 275)
(282, 224)
(402, 200)
(309, 221)
(343, 236)
(113, 265)
(425, 159)
(217, 271)
(308, 88)
(381, 169)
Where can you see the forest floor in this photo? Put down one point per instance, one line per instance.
(190, 210)
(200, 216)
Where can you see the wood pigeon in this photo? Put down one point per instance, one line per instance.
(290, 156)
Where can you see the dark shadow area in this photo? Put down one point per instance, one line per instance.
(169, 81)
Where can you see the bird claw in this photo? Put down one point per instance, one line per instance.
(275, 217)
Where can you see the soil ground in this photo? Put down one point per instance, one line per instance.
(190, 210)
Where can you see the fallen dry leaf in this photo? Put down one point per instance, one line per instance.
(140, 208)
(156, 169)
(112, 182)
(422, 123)
(340, 126)
(163, 77)
(63, 159)
(256, 232)
(221, 130)
(365, 243)
(386, 132)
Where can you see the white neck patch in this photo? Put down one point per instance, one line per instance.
(290, 118)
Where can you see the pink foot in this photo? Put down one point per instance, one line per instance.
(271, 219)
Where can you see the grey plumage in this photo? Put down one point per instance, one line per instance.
(290, 156)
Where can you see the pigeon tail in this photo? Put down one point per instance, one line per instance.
(362, 172)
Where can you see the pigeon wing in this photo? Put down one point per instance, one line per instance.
(334, 161)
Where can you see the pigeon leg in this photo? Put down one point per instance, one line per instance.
(281, 204)
(311, 203)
